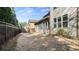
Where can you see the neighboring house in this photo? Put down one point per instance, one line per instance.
(31, 26)
(64, 17)
(43, 25)
(26, 28)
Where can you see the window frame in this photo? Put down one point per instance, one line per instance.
(65, 20)
(55, 22)
(59, 22)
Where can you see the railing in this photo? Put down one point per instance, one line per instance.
(7, 31)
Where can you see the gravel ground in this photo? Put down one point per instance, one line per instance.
(37, 42)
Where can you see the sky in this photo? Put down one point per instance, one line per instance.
(23, 14)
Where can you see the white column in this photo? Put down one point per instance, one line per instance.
(61, 19)
(42, 27)
(38, 28)
(47, 27)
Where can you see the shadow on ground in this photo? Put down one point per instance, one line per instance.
(28, 42)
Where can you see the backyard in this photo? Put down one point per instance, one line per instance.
(39, 42)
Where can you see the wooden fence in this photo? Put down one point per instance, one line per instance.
(7, 31)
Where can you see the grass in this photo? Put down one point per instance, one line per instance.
(9, 46)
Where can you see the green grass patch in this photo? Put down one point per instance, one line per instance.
(9, 46)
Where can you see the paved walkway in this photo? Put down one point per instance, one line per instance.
(36, 42)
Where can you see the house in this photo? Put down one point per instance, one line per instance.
(59, 18)
(64, 17)
(43, 25)
(31, 25)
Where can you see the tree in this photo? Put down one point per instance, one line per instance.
(6, 15)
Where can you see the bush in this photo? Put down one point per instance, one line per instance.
(63, 32)
(60, 31)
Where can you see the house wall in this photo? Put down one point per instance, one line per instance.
(31, 27)
(59, 12)
(43, 27)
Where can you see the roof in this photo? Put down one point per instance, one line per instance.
(43, 19)
(47, 16)
(32, 21)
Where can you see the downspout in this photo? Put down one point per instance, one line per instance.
(77, 21)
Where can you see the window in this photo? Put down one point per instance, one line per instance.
(65, 24)
(65, 20)
(59, 21)
(65, 17)
(55, 21)
(54, 25)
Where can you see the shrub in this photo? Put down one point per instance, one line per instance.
(60, 32)
(63, 32)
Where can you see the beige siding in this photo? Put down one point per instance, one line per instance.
(71, 11)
